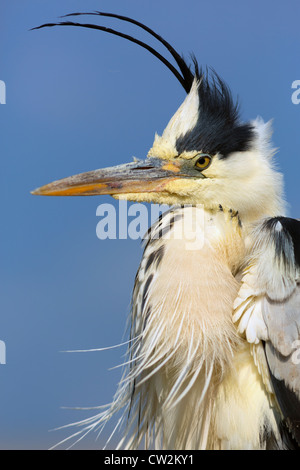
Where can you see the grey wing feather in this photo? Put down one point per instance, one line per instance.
(271, 288)
(283, 323)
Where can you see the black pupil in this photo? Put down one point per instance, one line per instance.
(202, 161)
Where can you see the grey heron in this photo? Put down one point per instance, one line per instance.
(215, 327)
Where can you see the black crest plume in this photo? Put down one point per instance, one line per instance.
(218, 129)
(184, 75)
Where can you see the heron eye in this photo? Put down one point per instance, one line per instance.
(203, 162)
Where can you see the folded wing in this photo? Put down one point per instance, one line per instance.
(267, 312)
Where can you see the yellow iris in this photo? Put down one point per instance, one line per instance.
(203, 162)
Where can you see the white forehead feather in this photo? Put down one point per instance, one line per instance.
(186, 116)
(183, 121)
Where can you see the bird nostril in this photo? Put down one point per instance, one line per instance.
(143, 168)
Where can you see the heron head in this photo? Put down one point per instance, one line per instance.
(204, 156)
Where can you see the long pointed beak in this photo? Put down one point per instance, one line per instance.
(142, 176)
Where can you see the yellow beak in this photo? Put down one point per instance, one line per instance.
(142, 176)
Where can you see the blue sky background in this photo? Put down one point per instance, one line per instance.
(78, 100)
